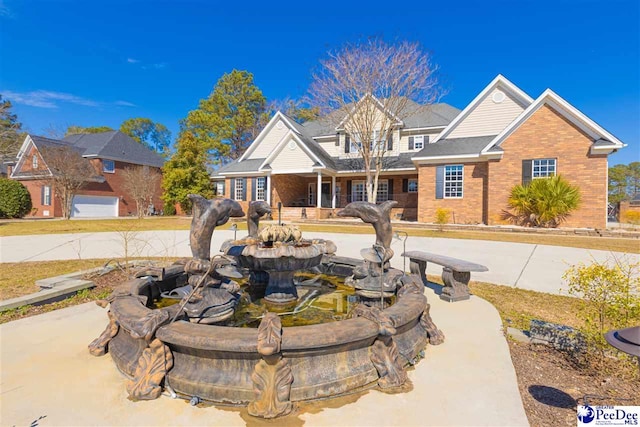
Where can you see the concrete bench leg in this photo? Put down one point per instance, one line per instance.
(419, 268)
(456, 285)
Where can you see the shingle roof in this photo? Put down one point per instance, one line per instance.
(455, 146)
(247, 165)
(115, 145)
(402, 161)
(417, 116)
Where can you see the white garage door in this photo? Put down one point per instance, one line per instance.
(94, 206)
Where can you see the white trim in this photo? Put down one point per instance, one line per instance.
(277, 116)
(480, 157)
(24, 145)
(385, 171)
(333, 136)
(419, 129)
(280, 146)
(500, 80)
(563, 107)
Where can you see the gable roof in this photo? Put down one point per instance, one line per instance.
(499, 81)
(603, 140)
(115, 145)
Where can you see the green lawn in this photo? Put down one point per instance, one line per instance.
(28, 227)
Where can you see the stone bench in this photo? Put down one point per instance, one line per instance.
(456, 273)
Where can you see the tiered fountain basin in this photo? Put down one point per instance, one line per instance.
(215, 363)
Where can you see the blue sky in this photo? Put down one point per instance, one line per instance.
(94, 63)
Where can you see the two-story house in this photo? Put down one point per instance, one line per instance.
(465, 161)
(109, 153)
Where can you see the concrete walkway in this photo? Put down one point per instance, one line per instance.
(48, 375)
(528, 266)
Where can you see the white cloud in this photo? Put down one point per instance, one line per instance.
(125, 104)
(47, 99)
(4, 10)
(132, 61)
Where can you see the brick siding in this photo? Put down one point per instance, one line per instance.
(546, 134)
(465, 210)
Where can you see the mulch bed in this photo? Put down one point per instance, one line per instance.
(551, 385)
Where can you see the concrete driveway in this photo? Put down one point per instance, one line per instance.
(528, 266)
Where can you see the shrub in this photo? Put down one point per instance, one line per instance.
(544, 202)
(169, 209)
(609, 298)
(15, 200)
(442, 216)
(632, 217)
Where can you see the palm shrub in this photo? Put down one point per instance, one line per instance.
(15, 200)
(544, 202)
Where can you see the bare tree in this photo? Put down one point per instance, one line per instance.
(141, 183)
(367, 89)
(68, 173)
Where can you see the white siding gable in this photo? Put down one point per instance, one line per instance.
(489, 117)
(270, 140)
(291, 157)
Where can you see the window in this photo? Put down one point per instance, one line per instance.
(374, 144)
(453, 176)
(382, 194)
(108, 166)
(418, 142)
(543, 168)
(46, 195)
(34, 161)
(239, 190)
(261, 184)
(358, 193)
(412, 186)
(220, 188)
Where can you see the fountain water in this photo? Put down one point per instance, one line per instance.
(190, 349)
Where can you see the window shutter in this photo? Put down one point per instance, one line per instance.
(526, 171)
(390, 142)
(232, 192)
(440, 182)
(347, 144)
(349, 197)
(410, 143)
(42, 195)
(254, 185)
(337, 140)
(224, 189)
(425, 140)
(390, 187)
(405, 185)
(244, 189)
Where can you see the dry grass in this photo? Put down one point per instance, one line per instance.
(18, 278)
(29, 227)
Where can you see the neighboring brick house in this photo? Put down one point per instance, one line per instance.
(464, 161)
(104, 196)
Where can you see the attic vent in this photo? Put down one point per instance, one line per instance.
(279, 124)
(292, 145)
(498, 96)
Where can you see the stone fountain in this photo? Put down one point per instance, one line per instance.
(190, 350)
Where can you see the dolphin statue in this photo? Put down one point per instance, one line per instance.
(256, 211)
(377, 215)
(207, 215)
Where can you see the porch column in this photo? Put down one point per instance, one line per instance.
(319, 191)
(333, 192)
(268, 190)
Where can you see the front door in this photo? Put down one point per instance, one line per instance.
(326, 195)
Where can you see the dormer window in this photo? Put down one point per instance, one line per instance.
(34, 161)
(418, 142)
(108, 166)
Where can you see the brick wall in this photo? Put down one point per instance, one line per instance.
(625, 208)
(465, 210)
(546, 134)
